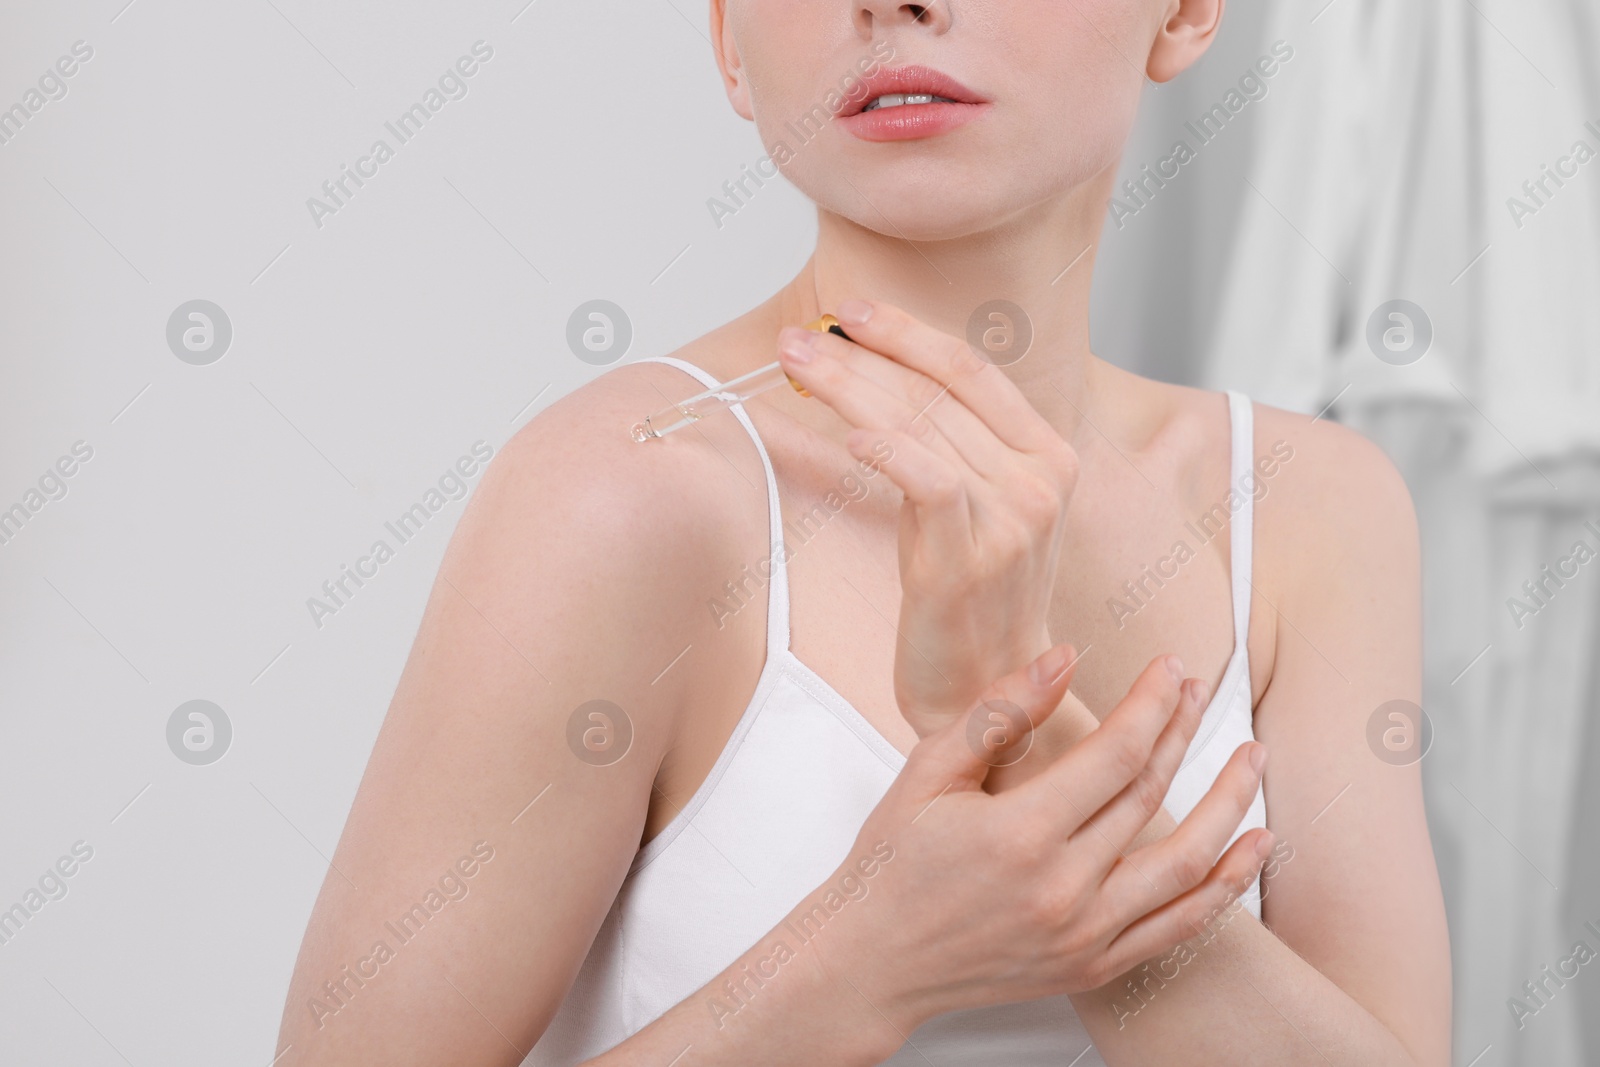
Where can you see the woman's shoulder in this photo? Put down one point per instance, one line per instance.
(1326, 501)
(1327, 481)
(663, 499)
(579, 450)
(1335, 485)
(642, 533)
(1336, 506)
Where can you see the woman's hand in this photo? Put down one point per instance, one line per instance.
(986, 481)
(1038, 891)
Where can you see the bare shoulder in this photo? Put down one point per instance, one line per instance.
(1338, 561)
(1328, 501)
(1336, 505)
(1334, 534)
(632, 538)
(576, 479)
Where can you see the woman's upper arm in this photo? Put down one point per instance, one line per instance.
(1359, 895)
(489, 836)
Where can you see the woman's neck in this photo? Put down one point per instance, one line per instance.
(1041, 264)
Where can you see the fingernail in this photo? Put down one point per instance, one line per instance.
(853, 312)
(1258, 757)
(1200, 689)
(1264, 846)
(1175, 668)
(797, 348)
(1048, 667)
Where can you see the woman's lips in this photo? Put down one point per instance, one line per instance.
(909, 121)
(903, 122)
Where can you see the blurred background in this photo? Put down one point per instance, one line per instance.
(218, 396)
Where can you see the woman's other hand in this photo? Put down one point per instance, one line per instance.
(1043, 889)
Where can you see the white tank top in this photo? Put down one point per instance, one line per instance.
(781, 808)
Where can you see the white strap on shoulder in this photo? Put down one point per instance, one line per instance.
(1242, 479)
(778, 580)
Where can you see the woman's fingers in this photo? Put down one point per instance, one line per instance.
(998, 728)
(974, 381)
(1161, 871)
(1202, 910)
(935, 489)
(1100, 766)
(1120, 821)
(928, 399)
(870, 389)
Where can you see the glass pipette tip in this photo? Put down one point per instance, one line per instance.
(733, 391)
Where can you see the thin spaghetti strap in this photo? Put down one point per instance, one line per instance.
(776, 559)
(1241, 529)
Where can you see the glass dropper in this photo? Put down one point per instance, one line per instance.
(733, 391)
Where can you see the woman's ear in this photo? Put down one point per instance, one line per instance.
(1182, 38)
(733, 81)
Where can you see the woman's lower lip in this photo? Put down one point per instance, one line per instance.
(909, 121)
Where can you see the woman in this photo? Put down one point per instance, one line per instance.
(698, 760)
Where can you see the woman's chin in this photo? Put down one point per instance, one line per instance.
(932, 204)
(919, 219)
